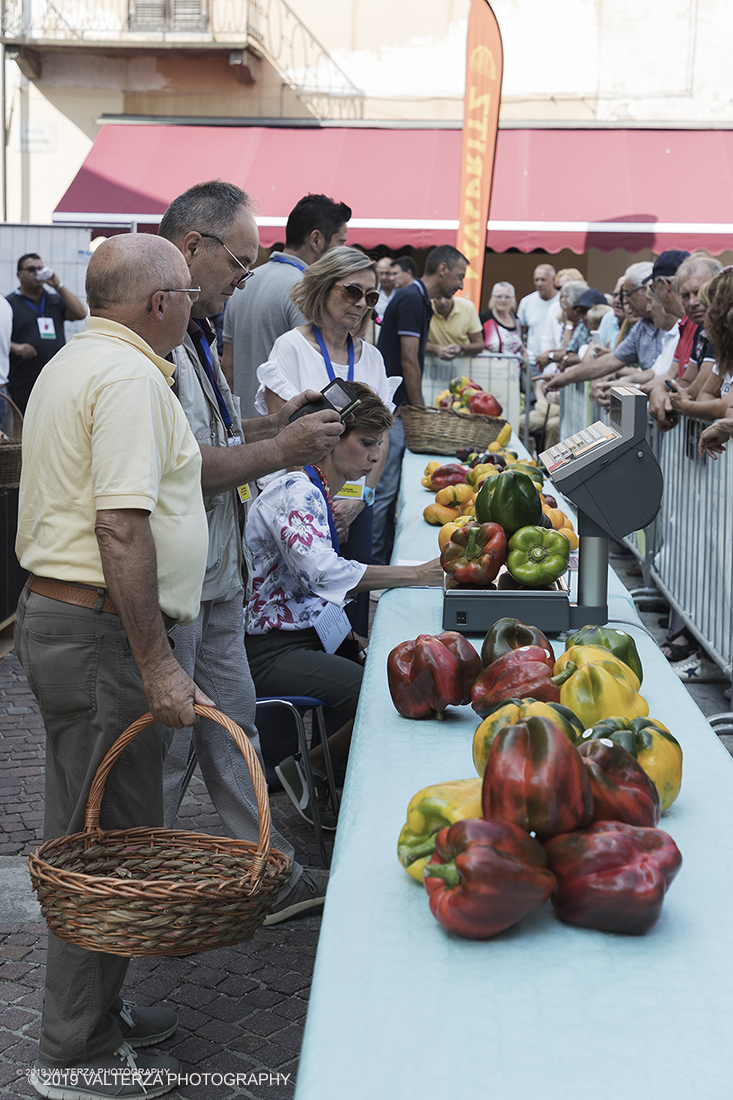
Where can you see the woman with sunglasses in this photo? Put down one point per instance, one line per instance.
(337, 296)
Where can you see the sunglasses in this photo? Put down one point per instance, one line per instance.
(355, 294)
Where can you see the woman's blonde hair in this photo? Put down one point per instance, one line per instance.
(319, 279)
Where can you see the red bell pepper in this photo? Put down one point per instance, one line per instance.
(474, 555)
(622, 791)
(447, 475)
(535, 778)
(432, 672)
(612, 876)
(484, 403)
(507, 634)
(520, 674)
(484, 876)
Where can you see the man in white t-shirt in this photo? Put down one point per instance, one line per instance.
(386, 284)
(533, 309)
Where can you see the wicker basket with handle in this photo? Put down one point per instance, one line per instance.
(10, 449)
(442, 431)
(155, 891)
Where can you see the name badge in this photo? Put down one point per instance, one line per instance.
(332, 626)
(47, 328)
(244, 493)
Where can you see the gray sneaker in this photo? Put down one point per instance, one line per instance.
(291, 775)
(124, 1073)
(308, 893)
(142, 1027)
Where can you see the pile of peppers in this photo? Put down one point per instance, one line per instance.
(561, 811)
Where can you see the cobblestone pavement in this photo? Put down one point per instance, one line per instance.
(241, 1009)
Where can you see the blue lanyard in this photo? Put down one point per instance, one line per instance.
(281, 258)
(327, 357)
(313, 475)
(39, 310)
(204, 354)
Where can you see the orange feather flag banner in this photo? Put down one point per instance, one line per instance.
(484, 67)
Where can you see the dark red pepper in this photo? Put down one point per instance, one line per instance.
(475, 554)
(485, 404)
(508, 634)
(612, 876)
(447, 475)
(520, 674)
(484, 876)
(431, 673)
(535, 778)
(622, 791)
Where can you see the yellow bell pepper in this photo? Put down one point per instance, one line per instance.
(570, 535)
(439, 514)
(431, 810)
(447, 529)
(480, 472)
(454, 495)
(601, 690)
(580, 655)
(427, 475)
(504, 436)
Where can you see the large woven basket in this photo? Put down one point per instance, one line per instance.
(442, 431)
(10, 449)
(148, 891)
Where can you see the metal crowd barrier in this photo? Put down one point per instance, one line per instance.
(686, 552)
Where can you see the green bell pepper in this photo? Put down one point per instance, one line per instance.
(621, 644)
(509, 499)
(537, 556)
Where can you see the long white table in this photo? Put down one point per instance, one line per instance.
(400, 1010)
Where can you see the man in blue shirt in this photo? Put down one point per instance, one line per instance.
(402, 338)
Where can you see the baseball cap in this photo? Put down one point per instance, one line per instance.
(666, 264)
(591, 298)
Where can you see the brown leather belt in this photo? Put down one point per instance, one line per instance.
(96, 599)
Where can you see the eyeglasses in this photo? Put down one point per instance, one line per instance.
(355, 293)
(33, 269)
(247, 274)
(193, 292)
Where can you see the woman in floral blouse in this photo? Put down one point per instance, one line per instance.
(295, 620)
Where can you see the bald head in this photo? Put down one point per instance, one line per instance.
(130, 279)
(125, 271)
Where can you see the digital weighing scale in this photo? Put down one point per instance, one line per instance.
(610, 474)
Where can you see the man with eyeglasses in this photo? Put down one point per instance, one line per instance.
(253, 321)
(112, 529)
(214, 228)
(640, 348)
(40, 306)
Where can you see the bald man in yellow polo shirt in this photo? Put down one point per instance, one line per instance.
(113, 530)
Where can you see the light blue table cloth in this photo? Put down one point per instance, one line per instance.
(401, 1010)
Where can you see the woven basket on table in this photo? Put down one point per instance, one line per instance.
(10, 450)
(153, 891)
(442, 431)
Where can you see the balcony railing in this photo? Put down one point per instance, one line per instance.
(268, 27)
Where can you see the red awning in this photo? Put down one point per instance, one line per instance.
(553, 189)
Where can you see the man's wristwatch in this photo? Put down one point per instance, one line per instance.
(552, 356)
(368, 495)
